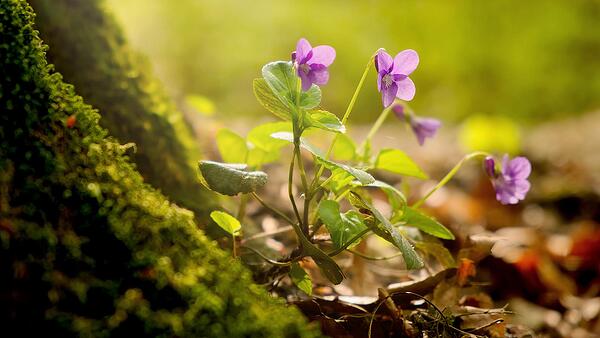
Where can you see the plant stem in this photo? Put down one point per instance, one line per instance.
(297, 134)
(352, 240)
(290, 190)
(449, 176)
(242, 208)
(319, 172)
(273, 210)
(366, 145)
(305, 187)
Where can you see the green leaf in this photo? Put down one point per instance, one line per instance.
(395, 196)
(311, 98)
(387, 231)
(398, 162)
(231, 179)
(326, 264)
(260, 136)
(226, 222)
(344, 149)
(438, 251)
(280, 77)
(414, 218)
(325, 120)
(342, 227)
(267, 99)
(258, 157)
(232, 147)
(282, 81)
(301, 279)
(362, 176)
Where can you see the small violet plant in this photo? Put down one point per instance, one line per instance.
(333, 198)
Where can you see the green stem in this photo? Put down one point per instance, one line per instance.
(297, 135)
(273, 210)
(304, 186)
(354, 239)
(349, 109)
(242, 208)
(366, 145)
(373, 258)
(290, 190)
(449, 176)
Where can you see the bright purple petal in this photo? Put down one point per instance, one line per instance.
(379, 81)
(384, 61)
(424, 128)
(389, 94)
(303, 48)
(306, 81)
(319, 76)
(518, 168)
(512, 185)
(405, 62)
(323, 55)
(406, 89)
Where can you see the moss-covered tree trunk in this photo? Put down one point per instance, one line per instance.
(86, 247)
(88, 48)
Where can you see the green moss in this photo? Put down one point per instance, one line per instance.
(88, 48)
(86, 247)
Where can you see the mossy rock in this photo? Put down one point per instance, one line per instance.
(86, 247)
(87, 46)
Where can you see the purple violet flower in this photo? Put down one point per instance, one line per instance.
(424, 127)
(392, 78)
(312, 63)
(510, 180)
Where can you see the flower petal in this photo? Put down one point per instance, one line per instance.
(303, 47)
(424, 127)
(389, 94)
(384, 61)
(405, 62)
(319, 76)
(406, 89)
(323, 55)
(306, 80)
(518, 168)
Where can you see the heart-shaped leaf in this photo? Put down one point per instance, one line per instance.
(325, 120)
(414, 218)
(282, 81)
(232, 147)
(395, 196)
(226, 222)
(301, 279)
(398, 162)
(344, 149)
(260, 136)
(267, 99)
(231, 179)
(342, 227)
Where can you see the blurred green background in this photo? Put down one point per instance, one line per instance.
(528, 60)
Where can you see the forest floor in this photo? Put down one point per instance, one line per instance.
(521, 271)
